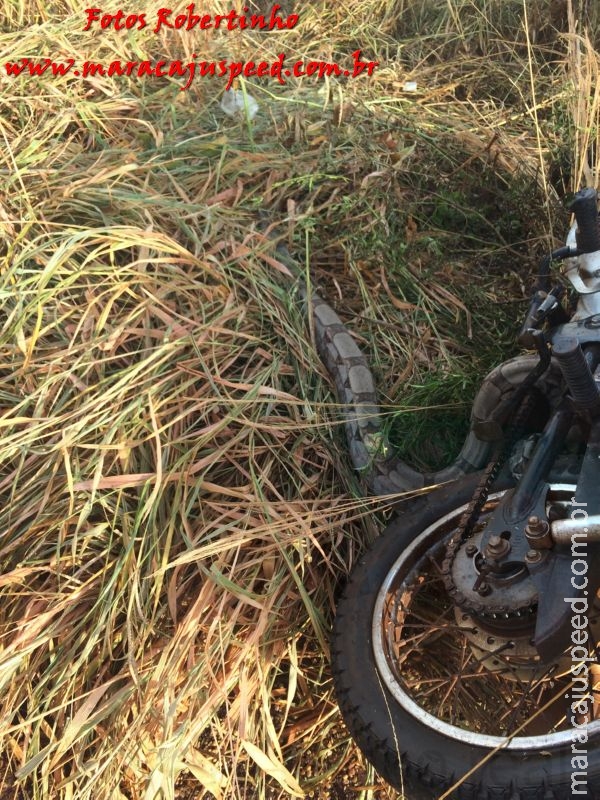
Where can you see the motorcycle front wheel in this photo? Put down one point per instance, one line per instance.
(440, 708)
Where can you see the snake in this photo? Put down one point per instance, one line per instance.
(372, 454)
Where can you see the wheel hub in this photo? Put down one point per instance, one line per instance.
(513, 656)
(486, 584)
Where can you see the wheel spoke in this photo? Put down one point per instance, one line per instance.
(454, 671)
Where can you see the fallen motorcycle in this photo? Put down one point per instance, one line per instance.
(465, 643)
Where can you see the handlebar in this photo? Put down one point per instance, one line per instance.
(585, 208)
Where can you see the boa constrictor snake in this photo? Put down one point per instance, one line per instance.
(371, 453)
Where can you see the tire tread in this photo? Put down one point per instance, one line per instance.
(371, 730)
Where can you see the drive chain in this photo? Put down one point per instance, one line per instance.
(523, 400)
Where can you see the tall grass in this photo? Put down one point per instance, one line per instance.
(178, 510)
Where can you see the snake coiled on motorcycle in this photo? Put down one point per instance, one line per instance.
(373, 457)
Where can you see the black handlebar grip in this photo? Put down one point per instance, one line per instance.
(585, 208)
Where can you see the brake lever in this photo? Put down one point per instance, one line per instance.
(543, 307)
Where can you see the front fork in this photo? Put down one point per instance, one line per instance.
(571, 572)
(543, 545)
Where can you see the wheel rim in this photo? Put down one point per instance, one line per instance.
(429, 666)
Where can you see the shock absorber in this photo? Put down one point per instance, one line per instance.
(585, 208)
(578, 375)
(573, 363)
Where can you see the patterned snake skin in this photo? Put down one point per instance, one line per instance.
(371, 453)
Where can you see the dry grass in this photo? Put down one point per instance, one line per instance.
(178, 509)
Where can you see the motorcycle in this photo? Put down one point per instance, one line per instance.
(465, 644)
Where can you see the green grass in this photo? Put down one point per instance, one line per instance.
(178, 508)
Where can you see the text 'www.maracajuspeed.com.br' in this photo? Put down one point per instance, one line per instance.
(188, 71)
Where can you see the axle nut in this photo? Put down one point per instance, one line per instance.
(537, 533)
(497, 547)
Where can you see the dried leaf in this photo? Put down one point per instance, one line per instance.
(274, 768)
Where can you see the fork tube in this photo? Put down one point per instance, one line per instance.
(547, 448)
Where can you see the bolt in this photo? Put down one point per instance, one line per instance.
(497, 547)
(533, 556)
(537, 533)
(470, 550)
(484, 589)
(537, 526)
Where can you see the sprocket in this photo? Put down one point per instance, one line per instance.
(471, 571)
